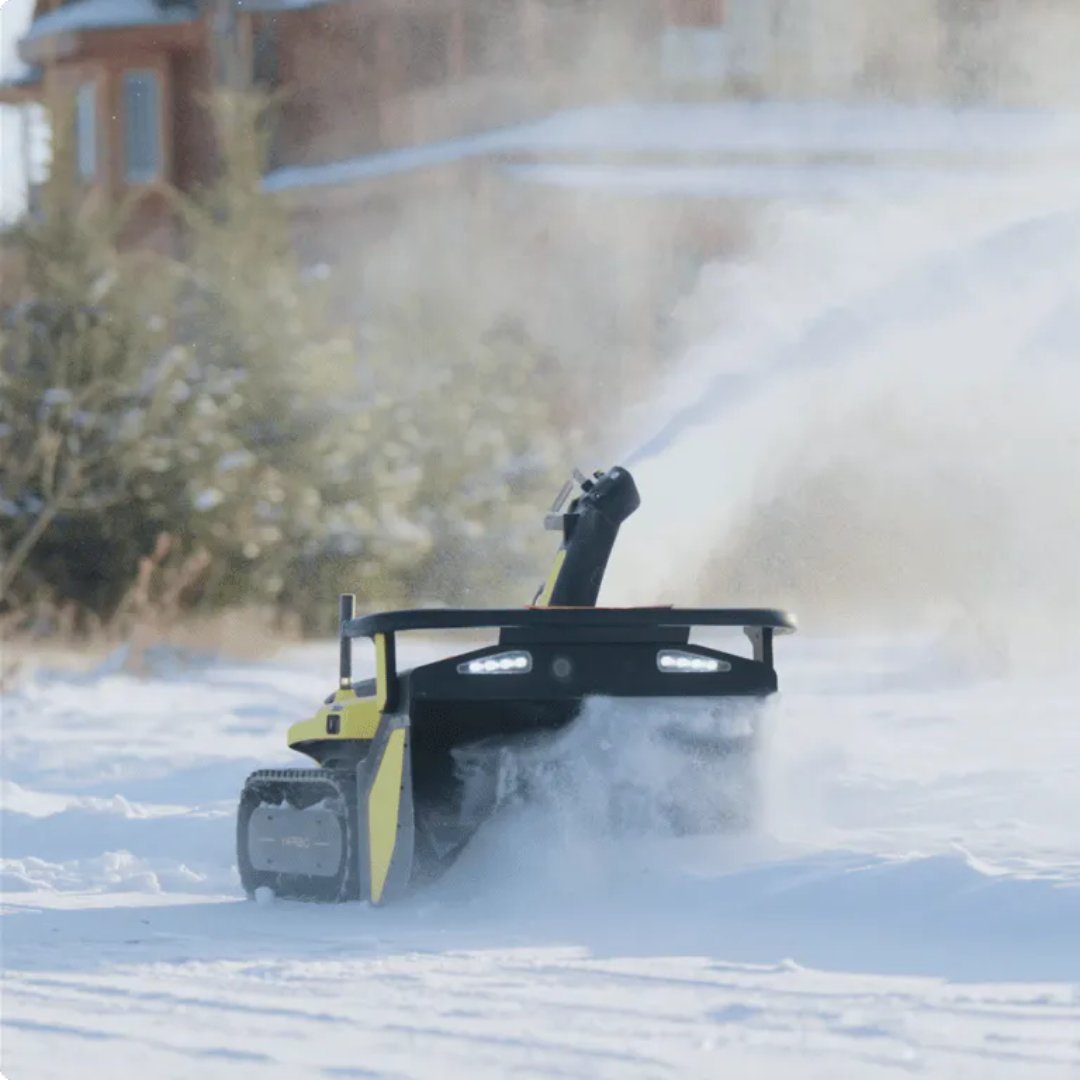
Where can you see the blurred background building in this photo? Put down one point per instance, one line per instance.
(358, 78)
(633, 137)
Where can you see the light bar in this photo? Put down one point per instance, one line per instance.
(507, 663)
(676, 662)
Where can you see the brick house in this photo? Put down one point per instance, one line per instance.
(357, 77)
(395, 113)
(362, 77)
(363, 81)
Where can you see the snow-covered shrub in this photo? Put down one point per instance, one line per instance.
(86, 380)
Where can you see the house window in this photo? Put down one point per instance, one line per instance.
(142, 126)
(86, 131)
(265, 53)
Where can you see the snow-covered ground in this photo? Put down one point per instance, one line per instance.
(910, 906)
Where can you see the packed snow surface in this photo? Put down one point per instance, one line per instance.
(909, 906)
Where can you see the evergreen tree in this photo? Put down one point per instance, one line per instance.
(85, 375)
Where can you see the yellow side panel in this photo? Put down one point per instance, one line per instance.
(359, 720)
(549, 588)
(384, 804)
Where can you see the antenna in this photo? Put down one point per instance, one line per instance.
(564, 494)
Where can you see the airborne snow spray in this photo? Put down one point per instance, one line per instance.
(883, 430)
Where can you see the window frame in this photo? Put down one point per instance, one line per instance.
(87, 143)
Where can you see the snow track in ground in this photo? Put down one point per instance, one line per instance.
(910, 907)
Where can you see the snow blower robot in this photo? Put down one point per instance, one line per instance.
(388, 804)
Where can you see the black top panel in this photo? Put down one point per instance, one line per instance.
(392, 622)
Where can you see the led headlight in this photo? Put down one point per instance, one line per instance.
(676, 662)
(507, 663)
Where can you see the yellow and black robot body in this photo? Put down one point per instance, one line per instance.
(387, 805)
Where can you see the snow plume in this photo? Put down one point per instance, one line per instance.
(879, 423)
(586, 807)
